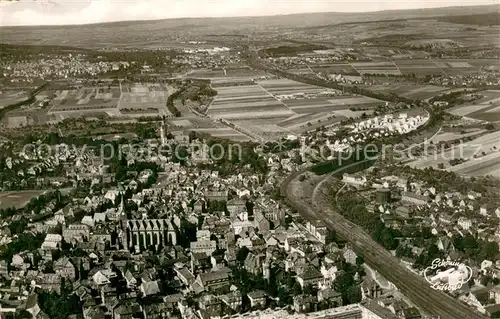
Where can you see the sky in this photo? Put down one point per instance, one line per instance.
(64, 12)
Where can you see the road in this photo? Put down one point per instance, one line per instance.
(413, 286)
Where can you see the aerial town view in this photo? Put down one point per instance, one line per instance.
(249, 159)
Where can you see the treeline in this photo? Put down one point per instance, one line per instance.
(170, 102)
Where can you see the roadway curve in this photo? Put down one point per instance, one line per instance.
(413, 286)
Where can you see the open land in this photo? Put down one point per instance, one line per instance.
(484, 109)
(18, 199)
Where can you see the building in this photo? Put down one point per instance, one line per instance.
(65, 268)
(414, 198)
(203, 246)
(213, 280)
(383, 196)
(146, 233)
(75, 232)
(310, 276)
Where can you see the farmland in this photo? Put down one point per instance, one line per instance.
(275, 107)
(410, 90)
(144, 99)
(485, 109)
(11, 97)
(419, 67)
(481, 156)
(246, 102)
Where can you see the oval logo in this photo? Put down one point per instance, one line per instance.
(447, 275)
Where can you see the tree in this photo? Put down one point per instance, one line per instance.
(242, 254)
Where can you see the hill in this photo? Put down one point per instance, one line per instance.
(166, 32)
(492, 18)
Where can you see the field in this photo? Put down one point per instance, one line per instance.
(397, 66)
(144, 98)
(11, 97)
(482, 157)
(246, 102)
(410, 90)
(485, 109)
(224, 132)
(277, 107)
(451, 136)
(384, 68)
(18, 199)
(85, 99)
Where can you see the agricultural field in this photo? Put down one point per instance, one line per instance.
(85, 99)
(483, 166)
(382, 67)
(444, 136)
(9, 97)
(329, 104)
(411, 90)
(144, 99)
(420, 67)
(482, 156)
(18, 199)
(308, 121)
(246, 102)
(485, 109)
(224, 132)
(334, 68)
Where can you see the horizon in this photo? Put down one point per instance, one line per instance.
(84, 12)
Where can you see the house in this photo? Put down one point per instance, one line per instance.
(200, 262)
(203, 246)
(258, 298)
(102, 277)
(261, 223)
(127, 310)
(330, 297)
(65, 268)
(130, 279)
(232, 300)
(445, 244)
(304, 303)
(184, 275)
(253, 263)
(171, 301)
(236, 206)
(213, 280)
(210, 306)
(414, 198)
(309, 276)
(350, 256)
(75, 232)
(216, 195)
(149, 288)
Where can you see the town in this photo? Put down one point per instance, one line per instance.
(299, 171)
